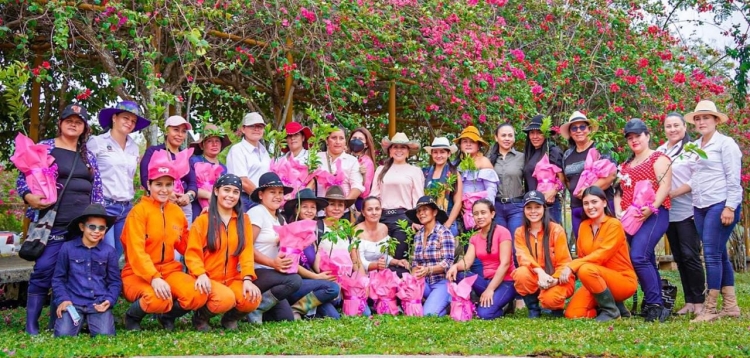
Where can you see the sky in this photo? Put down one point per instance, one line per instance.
(708, 32)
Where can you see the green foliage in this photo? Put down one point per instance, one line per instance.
(407, 228)
(467, 164)
(438, 190)
(320, 131)
(14, 79)
(342, 231)
(276, 140)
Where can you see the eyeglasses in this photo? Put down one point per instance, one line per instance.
(93, 227)
(580, 128)
(257, 126)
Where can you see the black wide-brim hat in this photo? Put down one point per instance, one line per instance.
(427, 200)
(95, 210)
(304, 195)
(269, 180)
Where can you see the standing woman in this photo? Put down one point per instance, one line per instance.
(577, 131)
(117, 156)
(220, 256)
(717, 196)
(249, 159)
(270, 265)
(451, 201)
(297, 137)
(681, 233)
(335, 152)
(537, 145)
(77, 163)
(399, 185)
(362, 147)
(508, 164)
(185, 189)
(206, 150)
(485, 178)
(434, 247)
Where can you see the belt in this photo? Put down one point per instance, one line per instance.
(110, 202)
(517, 199)
(56, 237)
(394, 211)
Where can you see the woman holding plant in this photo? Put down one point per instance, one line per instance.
(434, 247)
(537, 145)
(333, 212)
(477, 172)
(443, 182)
(492, 246)
(374, 240)
(362, 147)
(335, 157)
(717, 196)
(206, 150)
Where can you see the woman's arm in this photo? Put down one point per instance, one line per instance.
(663, 171)
(457, 202)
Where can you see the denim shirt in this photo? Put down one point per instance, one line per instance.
(86, 276)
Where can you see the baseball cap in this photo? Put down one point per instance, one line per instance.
(175, 121)
(75, 110)
(533, 196)
(252, 118)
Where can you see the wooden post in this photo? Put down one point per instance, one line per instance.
(392, 110)
(36, 92)
(289, 102)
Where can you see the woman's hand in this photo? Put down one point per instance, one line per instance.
(281, 263)
(419, 271)
(645, 213)
(325, 276)
(451, 274)
(362, 169)
(544, 280)
(727, 216)
(35, 201)
(161, 288)
(401, 263)
(486, 299)
(550, 196)
(182, 199)
(250, 292)
(565, 275)
(203, 284)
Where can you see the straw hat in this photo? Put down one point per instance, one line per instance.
(576, 117)
(706, 107)
(400, 138)
(472, 133)
(441, 143)
(335, 192)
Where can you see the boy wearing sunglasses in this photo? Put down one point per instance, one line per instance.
(87, 280)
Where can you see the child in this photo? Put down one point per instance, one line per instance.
(87, 277)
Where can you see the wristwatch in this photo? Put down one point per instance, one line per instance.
(730, 208)
(191, 196)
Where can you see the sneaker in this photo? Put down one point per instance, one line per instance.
(655, 312)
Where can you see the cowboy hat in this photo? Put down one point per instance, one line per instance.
(105, 115)
(304, 195)
(292, 128)
(576, 117)
(427, 200)
(269, 180)
(706, 107)
(441, 143)
(400, 138)
(210, 130)
(335, 192)
(95, 210)
(536, 124)
(472, 133)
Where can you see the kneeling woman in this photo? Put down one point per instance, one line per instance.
(221, 241)
(493, 247)
(603, 264)
(434, 247)
(539, 260)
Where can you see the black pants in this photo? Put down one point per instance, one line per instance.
(281, 286)
(394, 231)
(686, 250)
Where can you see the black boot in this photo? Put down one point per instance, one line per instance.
(201, 317)
(133, 316)
(607, 308)
(532, 304)
(655, 312)
(34, 305)
(167, 319)
(230, 319)
(624, 313)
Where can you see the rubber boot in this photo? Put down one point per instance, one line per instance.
(34, 305)
(557, 313)
(532, 303)
(52, 314)
(607, 307)
(624, 313)
(266, 303)
(229, 320)
(709, 313)
(133, 316)
(305, 304)
(167, 319)
(200, 319)
(730, 307)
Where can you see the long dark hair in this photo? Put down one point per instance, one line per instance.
(81, 147)
(386, 167)
(599, 193)
(369, 142)
(529, 150)
(215, 225)
(493, 225)
(495, 149)
(548, 266)
(685, 140)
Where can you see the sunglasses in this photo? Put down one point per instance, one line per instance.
(580, 128)
(93, 227)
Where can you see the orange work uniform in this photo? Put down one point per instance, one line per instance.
(221, 265)
(530, 258)
(149, 239)
(603, 262)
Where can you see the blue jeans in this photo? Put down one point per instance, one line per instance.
(437, 298)
(643, 257)
(509, 216)
(714, 235)
(99, 323)
(324, 291)
(555, 211)
(504, 294)
(119, 210)
(40, 280)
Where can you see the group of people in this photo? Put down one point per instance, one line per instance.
(222, 257)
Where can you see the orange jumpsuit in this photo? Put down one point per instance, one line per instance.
(221, 265)
(603, 262)
(149, 238)
(526, 280)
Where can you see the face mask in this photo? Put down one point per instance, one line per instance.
(356, 145)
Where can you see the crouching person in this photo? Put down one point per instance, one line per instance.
(220, 241)
(87, 280)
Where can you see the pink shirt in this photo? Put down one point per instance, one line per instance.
(366, 162)
(404, 184)
(491, 261)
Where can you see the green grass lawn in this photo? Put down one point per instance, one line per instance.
(513, 335)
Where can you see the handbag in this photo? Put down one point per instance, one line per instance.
(39, 231)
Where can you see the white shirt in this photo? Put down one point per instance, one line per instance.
(327, 246)
(350, 166)
(117, 166)
(247, 160)
(682, 206)
(717, 178)
(267, 241)
(370, 251)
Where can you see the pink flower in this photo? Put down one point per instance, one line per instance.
(35, 71)
(537, 90)
(631, 80)
(518, 54)
(619, 72)
(46, 65)
(642, 62)
(285, 22)
(679, 77)
(614, 88)
(307, 14)
(482, 118)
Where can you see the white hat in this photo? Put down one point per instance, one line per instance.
(706, 107)
(577, 116)
(441, 143)
(176, 121)
(252, 119)
(400, 138)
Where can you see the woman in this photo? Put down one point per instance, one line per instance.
(539, 261)
(577, 131)
(270, 265)
(681, 232)
(297, 137)
(353, 184)
(220, 256)
(484, 178)
(249, 159)
(117, 156)
(374, 239)
(206, 150)
(492, 247)
(434, 247)
(318, 289)
(186, 189)
(655, 167)
(508, 164)
(717, 196)
(399, 185)
(603, 264)
(537, 145)
(362, 147)
(153, 278)
(77, 163)
(438, 173)
(333, 212)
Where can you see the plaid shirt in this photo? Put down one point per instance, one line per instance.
(439, 250)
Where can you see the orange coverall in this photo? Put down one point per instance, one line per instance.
(149, 238)
(221, 265)
(603, 262)
(526, 280)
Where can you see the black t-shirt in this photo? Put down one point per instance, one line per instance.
(555, 157)
(573, 162)
(77, 195)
